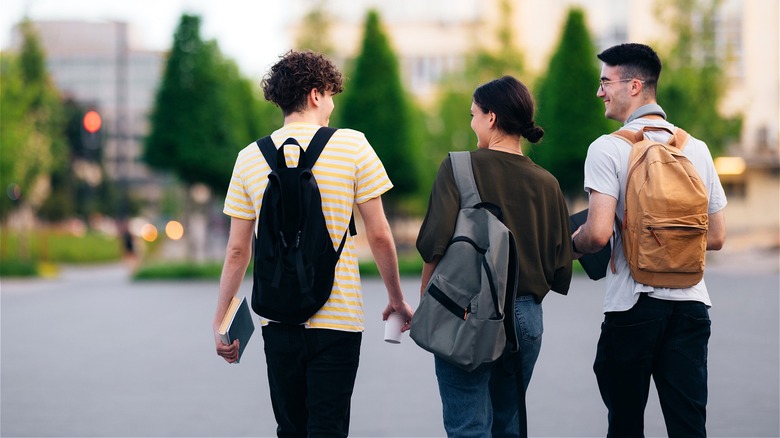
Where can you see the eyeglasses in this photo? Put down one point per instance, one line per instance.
(602, 82)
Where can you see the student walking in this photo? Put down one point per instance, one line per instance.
(660, 329)
(312, 366)
(485, 402)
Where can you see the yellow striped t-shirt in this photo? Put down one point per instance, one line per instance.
(347, 172)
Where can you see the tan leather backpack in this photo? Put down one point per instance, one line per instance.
(665, 224)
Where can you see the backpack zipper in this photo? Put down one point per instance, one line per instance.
(652, 229)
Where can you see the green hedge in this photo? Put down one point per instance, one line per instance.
(46, 247)
(408, 266)
(178, 271)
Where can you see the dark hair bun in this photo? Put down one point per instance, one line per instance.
(533, 132)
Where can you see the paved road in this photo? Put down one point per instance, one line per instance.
(93, 354)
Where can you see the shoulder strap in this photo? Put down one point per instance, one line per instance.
(464, 177)
(268, 150)
(317, 144)
(626, 135)
(681, 138)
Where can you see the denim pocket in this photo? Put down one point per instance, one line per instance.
(629, 342)
(692, 339)
(529, 318)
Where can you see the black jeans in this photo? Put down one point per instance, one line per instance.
(311, 374)
(665, 339)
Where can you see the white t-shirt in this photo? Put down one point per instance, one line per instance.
(606, 166)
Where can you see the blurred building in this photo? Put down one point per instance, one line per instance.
(432, 38)
(97, 65)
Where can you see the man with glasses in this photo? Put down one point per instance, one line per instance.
(647, 331)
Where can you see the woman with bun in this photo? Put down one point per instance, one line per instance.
(485, 402)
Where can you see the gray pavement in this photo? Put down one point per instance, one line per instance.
(93, 354)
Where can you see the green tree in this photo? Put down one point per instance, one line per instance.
(692, 83)
(450, 126)
(314, 33)
(375, 103)
(204, 112)
(61, 202)
(14, 135)
(32, 143)
(79, 185)
(568, 109)
(485, 65)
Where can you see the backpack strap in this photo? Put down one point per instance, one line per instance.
(317, 144)
(268, 149)
(464, 177)
(681, 138)
(627, 135)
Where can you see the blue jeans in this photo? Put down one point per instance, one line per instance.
(663, 339)
(484, 402)
(311, 375)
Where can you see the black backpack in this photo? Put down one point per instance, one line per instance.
(295, 261)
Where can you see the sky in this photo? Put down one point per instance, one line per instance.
(251, 32)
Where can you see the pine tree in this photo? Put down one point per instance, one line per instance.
(204, 113)
(568, 109)
(375, 103)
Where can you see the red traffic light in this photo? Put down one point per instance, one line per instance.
(92, 122)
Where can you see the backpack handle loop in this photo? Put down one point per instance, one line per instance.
(640, 134)
(678, 139)
(281, 162)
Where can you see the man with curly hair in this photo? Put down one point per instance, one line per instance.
(312, 366)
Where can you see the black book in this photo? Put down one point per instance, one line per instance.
(237, 324)
(595, 264)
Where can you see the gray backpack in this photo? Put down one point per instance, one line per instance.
(466, 315)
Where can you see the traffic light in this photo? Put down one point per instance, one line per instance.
(91, 131)
(92, 122)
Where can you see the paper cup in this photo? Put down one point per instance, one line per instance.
(393, 328)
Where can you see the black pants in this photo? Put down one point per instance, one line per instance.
(311, 374)
(663, 339)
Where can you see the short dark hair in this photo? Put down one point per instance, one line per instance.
(513, 105)
(292, 78)
(636, 60)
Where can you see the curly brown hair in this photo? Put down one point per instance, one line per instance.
(292, 78)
